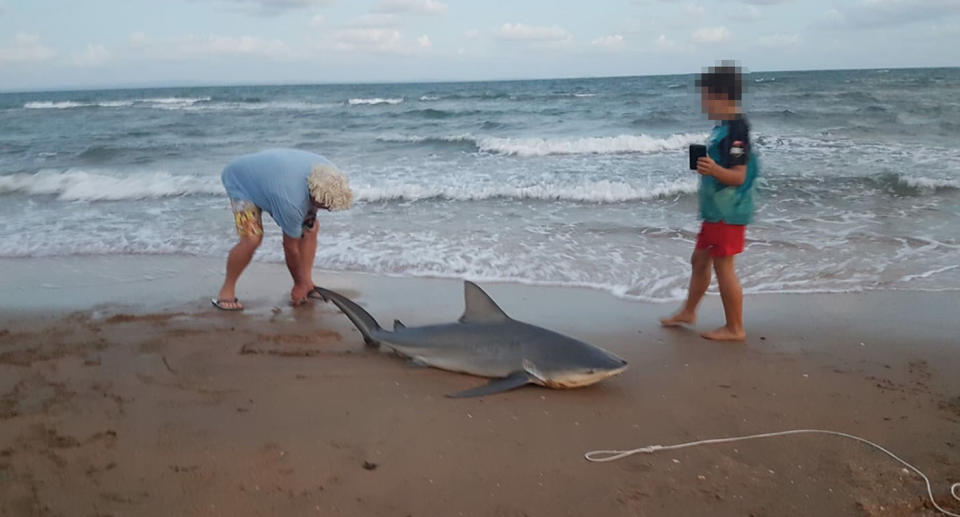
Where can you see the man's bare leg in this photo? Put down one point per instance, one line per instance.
(308, 250)
(237, 261)
(732, 296)
(699, 282)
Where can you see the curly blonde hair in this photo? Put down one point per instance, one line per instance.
(330, 188)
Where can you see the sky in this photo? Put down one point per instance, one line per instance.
(61, 44)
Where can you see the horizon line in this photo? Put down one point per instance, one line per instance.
(203, 84)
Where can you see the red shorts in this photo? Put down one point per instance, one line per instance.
(722, 239)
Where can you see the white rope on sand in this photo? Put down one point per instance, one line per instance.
(614, 455)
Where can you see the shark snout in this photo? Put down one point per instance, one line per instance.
(608, 366)
(615, 363)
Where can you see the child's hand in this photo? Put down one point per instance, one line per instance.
(706, 166)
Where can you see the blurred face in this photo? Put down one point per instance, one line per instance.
(717, 106)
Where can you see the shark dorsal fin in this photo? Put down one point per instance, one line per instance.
(480, 308)
(397, 325)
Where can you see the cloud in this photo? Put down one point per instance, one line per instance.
(377, 41)
(374, 33)
(232, 46)
(137, 38)
(317, 21)
(374, 20)
(694, 10)
(871, 14)
(277, 6)
(412, 6)
(665, 44)
(611, 42)
(472, 34)
(26, 48)
(946, 30)
(205, 46)
(778, 40)
(521, 32)
(369, 39)
(750, 13)
(711, 35)
(93, 55)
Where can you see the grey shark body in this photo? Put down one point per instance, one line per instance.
(488, 343)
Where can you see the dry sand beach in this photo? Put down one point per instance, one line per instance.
(127, 394)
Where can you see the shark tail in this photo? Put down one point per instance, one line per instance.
(362, 319)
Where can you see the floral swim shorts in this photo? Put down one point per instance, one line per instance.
(248, 218)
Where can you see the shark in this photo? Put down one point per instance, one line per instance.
(485, 342)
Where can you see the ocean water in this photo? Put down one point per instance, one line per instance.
(568, 182)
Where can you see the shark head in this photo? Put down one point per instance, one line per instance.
(565, 362)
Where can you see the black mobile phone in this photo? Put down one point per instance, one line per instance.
(697, 151)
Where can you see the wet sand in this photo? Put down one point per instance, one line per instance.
(127, 394)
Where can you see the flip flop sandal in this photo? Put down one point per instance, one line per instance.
(219, 304)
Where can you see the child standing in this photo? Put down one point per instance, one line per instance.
(727, 176)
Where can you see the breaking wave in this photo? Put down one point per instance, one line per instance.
(527, 147)
(79, 185)
(921, 183)
(373, 101)
(154, 101)
(586, 192)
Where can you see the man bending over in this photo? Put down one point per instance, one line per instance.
(290, 185)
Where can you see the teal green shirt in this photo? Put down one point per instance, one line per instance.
(729, 146)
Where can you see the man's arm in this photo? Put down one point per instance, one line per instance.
(734, 176)
(291, 253)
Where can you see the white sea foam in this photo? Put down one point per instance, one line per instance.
(527, 147)
(414, 139)
(587, 192)
(175, 100)
(590, 145)
(429, 98)
(250, 106)
(57, 105)
(161, 101)
(924, 183)
(373, 101)
(79, 185)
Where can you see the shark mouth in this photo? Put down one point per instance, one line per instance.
(579, 379)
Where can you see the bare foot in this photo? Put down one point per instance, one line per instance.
(725, 334)
(680, 318)
(299, 293)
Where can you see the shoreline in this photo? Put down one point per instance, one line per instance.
(125, 394)
(64, 283)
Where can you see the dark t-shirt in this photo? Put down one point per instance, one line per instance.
(735, 147)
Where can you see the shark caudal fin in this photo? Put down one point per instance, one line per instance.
(360, 318)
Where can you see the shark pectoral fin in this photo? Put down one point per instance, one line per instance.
(514, 380)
